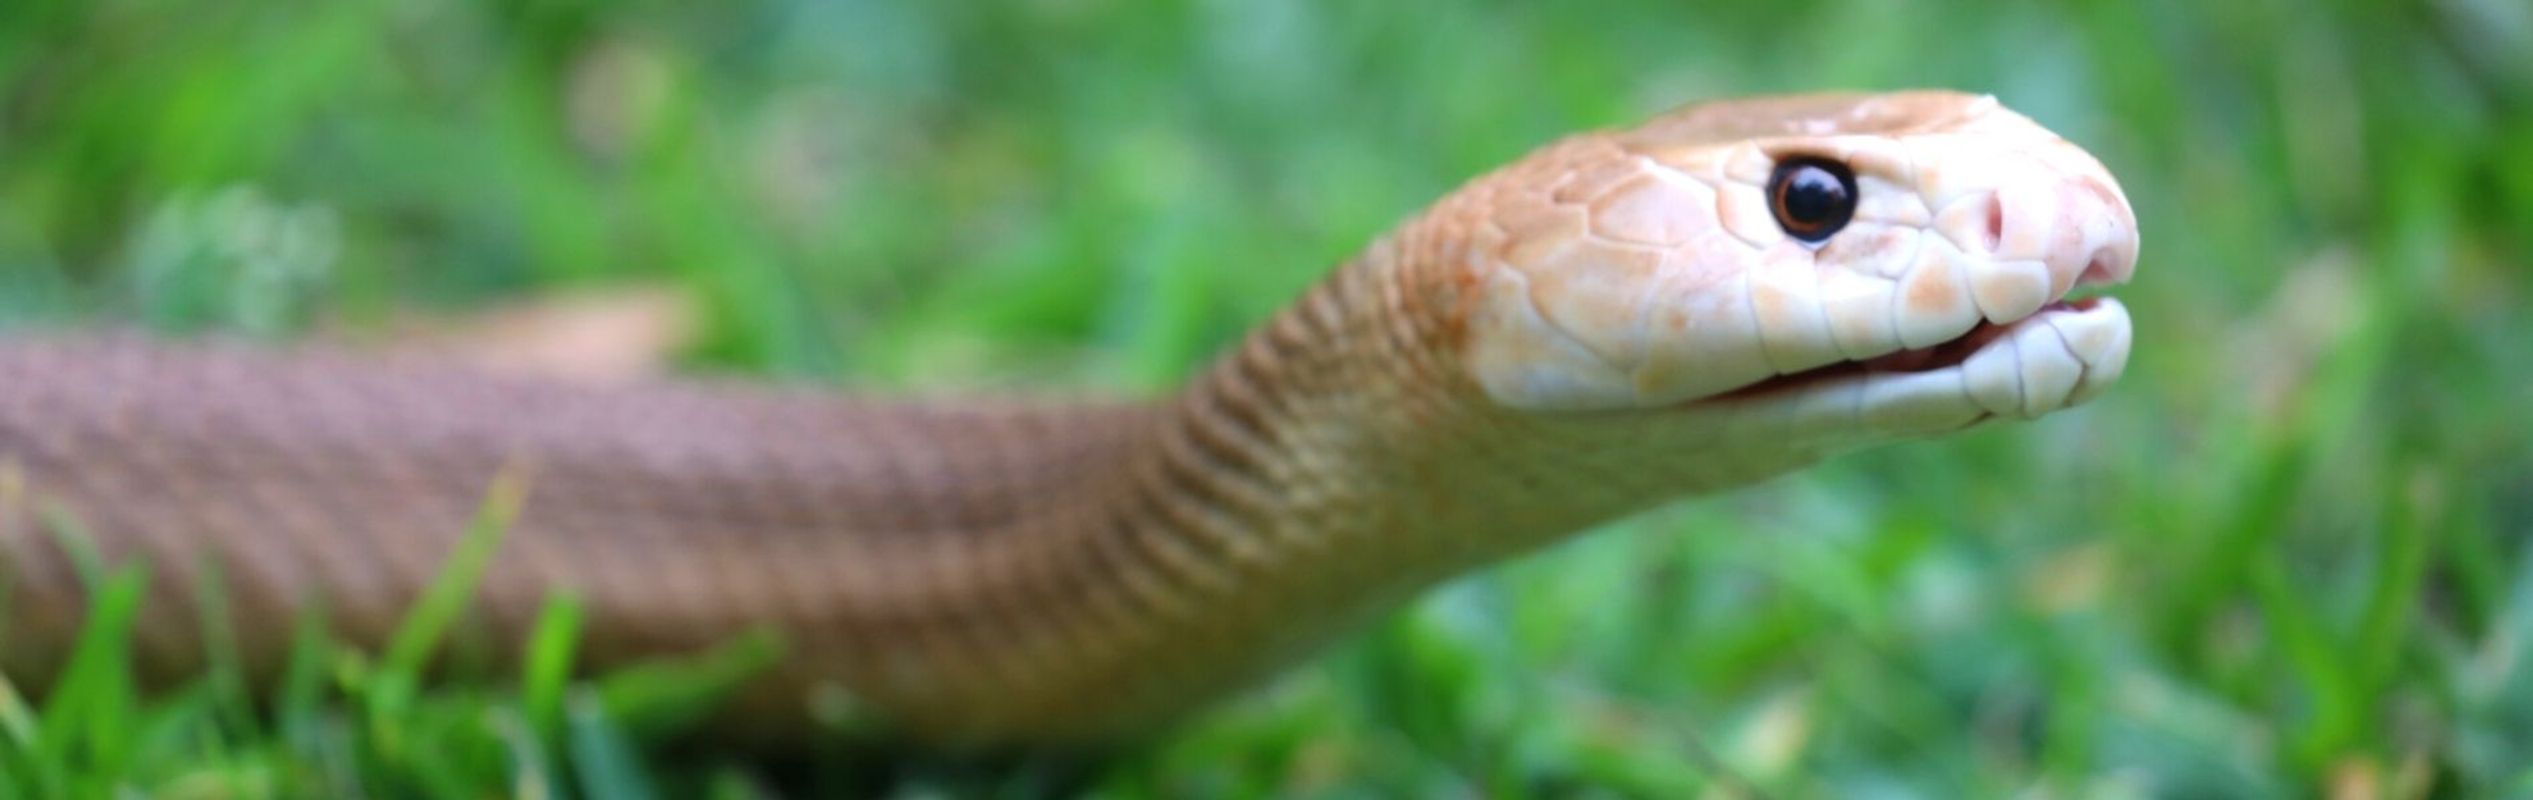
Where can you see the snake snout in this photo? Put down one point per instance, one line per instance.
(2108, 237)
(2039, 236)
(2077, 225)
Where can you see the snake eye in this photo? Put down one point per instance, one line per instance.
(1812, 197)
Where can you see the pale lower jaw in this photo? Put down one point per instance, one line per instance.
(2058, 357)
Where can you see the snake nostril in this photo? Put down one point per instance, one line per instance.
(1995, 228)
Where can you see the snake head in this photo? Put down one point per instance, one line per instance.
(1901, 261)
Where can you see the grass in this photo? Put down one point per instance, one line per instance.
(345, 723)
(2286, 556)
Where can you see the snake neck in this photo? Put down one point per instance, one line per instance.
(1332, 465)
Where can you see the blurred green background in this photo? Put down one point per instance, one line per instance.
(2286, 556)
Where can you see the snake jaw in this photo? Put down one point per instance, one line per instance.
(2058, 357)
(2108, 267)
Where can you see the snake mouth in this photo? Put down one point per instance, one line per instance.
(1948, 354)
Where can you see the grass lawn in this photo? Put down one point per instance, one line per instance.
(2286, 556)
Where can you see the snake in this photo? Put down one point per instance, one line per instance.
(1725, 293)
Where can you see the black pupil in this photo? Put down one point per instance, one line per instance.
(1812, 198)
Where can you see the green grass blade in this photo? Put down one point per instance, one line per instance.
(232, 701)
(17, 720)
(73, 538)
(602, 757)
(20, 735)
(654, 697)
(298, 709)
(446, 598)
(2403, 551)
(87, 721)
(548, 670)
(532, 771)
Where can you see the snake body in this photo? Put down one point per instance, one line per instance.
(1613, 321)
